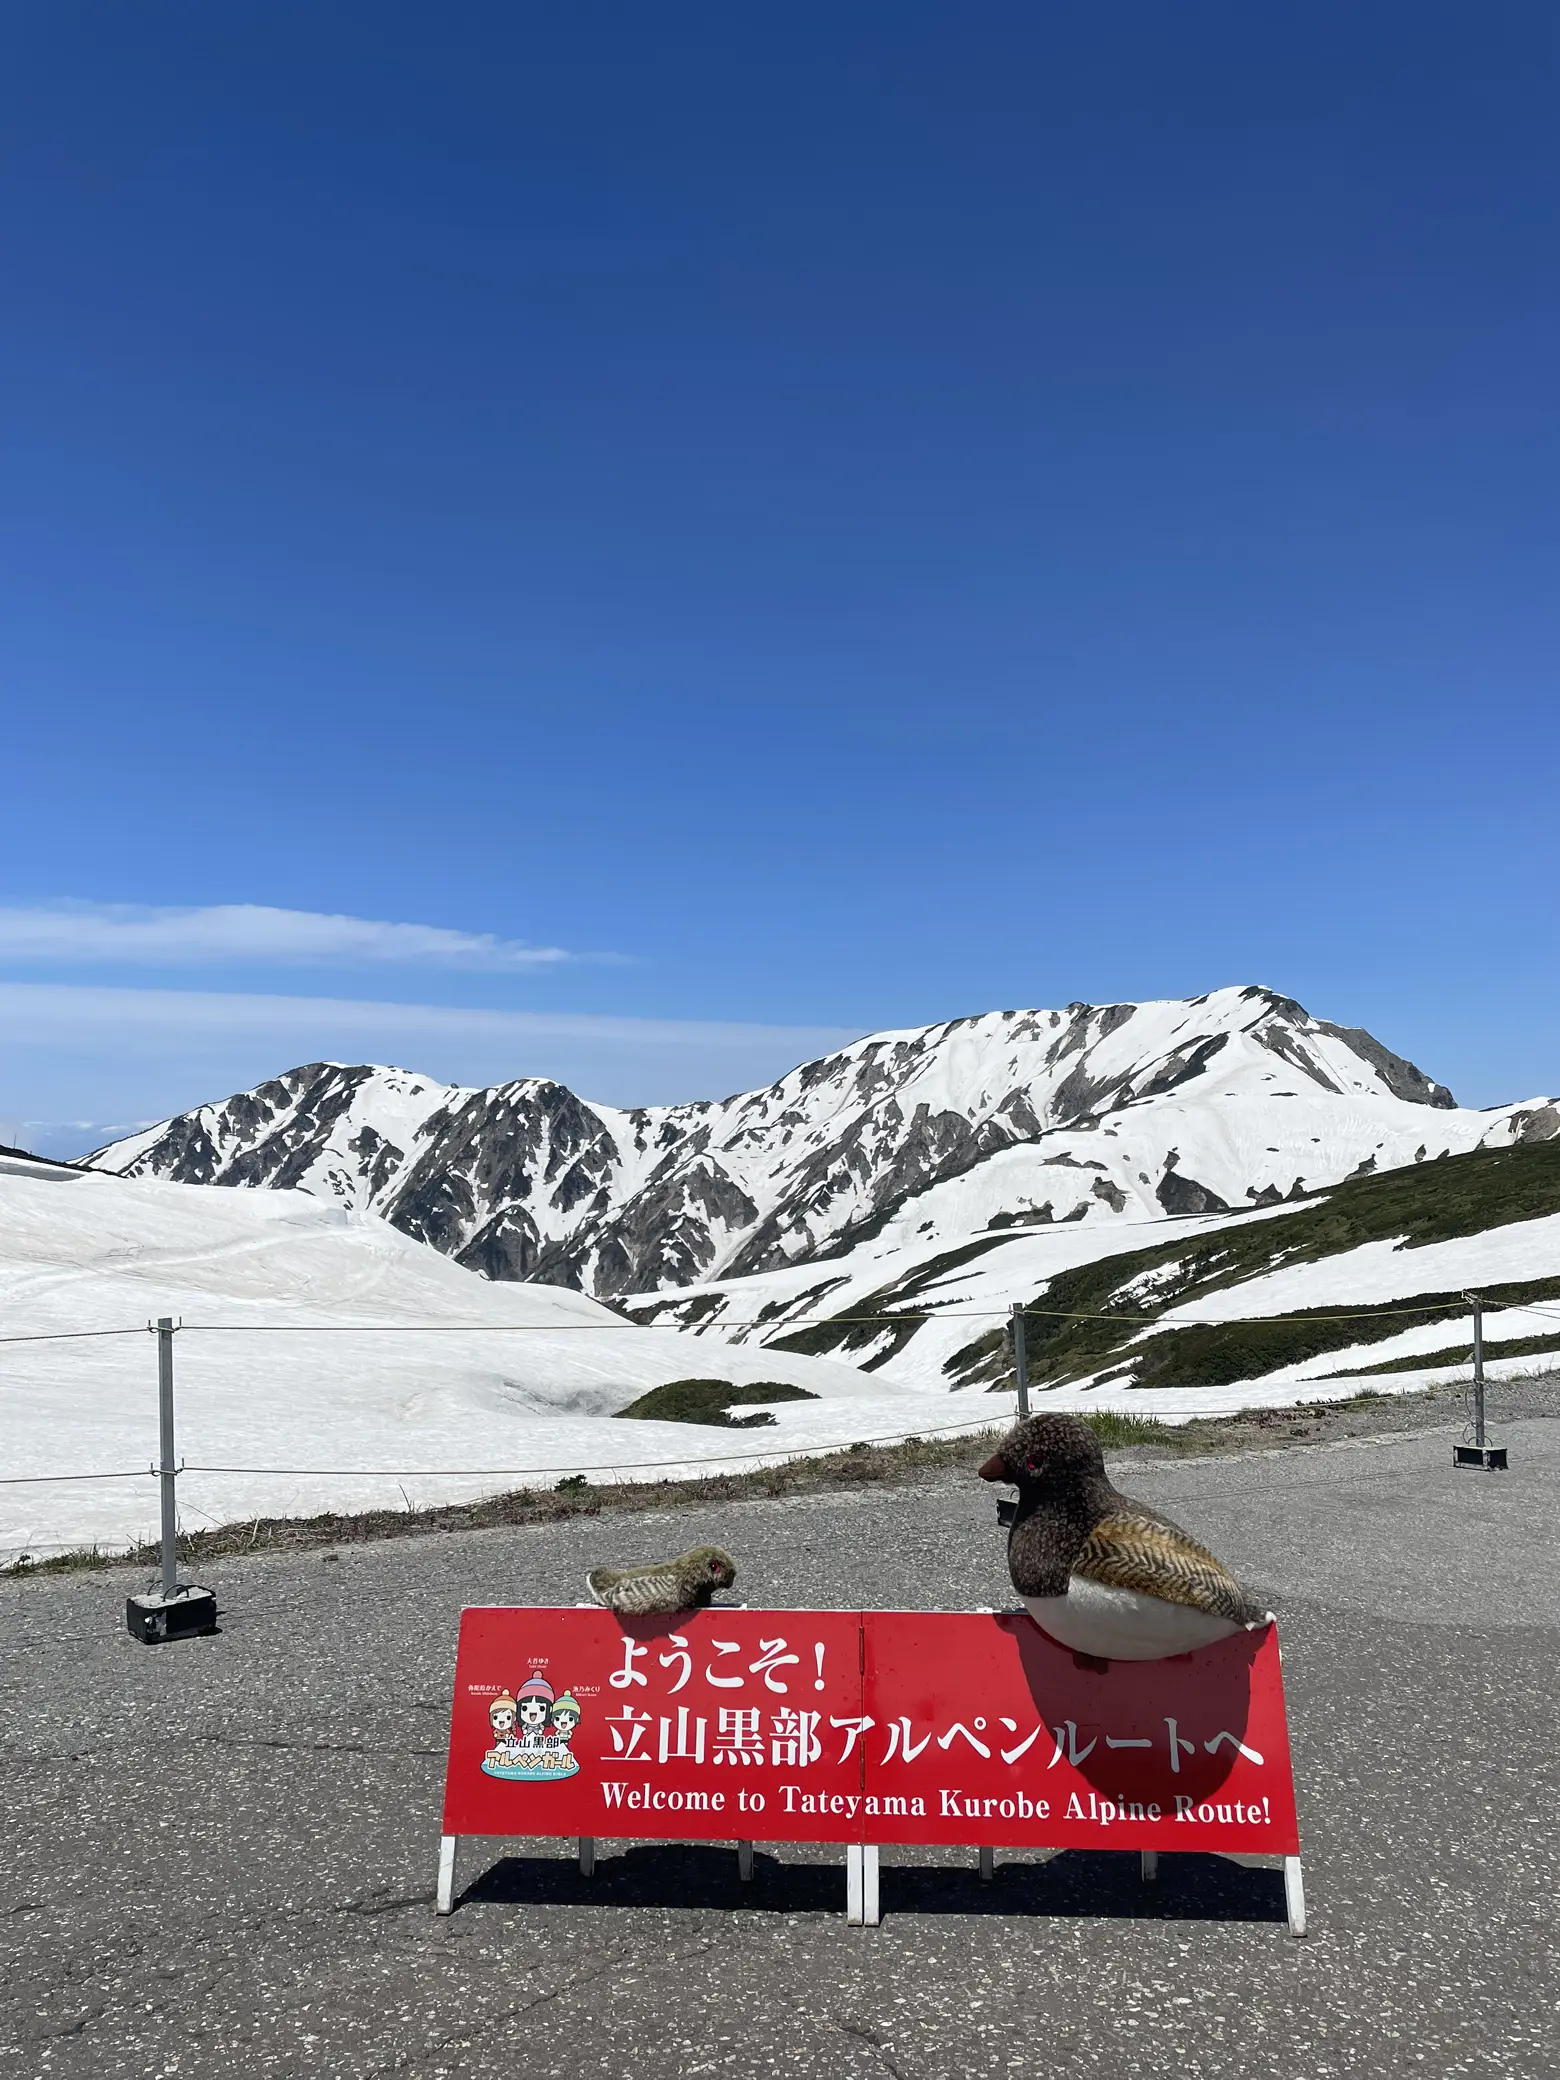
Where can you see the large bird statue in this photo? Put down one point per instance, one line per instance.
(1102, 1574)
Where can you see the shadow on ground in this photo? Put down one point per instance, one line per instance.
(1077, 1885)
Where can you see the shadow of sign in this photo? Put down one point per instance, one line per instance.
(1161, 1702)
(1078, 1884)
(662, 1874)
(1091, 1885)
(983, 1729)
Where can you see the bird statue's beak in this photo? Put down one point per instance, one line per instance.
(994, 1470)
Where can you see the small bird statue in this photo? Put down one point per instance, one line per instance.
(684, 1584)
(1102, 1574)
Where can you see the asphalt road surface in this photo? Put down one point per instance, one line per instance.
(219, 1855)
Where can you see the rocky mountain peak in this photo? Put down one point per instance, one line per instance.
(1174, 1107)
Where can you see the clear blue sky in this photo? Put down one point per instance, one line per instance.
(829, 517)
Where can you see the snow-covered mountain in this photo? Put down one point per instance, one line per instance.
(1096, 1114)
(1209, 1311)
(1135, 1176)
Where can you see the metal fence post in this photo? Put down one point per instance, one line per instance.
(169, 1612)
(1492, 1457)
(1019, 1365)
(168, 1469)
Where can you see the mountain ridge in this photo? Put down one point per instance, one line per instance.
(1088, 1113)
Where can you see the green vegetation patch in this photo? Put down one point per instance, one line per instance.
(1210, 1354)
(1456, 1354)
(1109, 1301)
(1113, 1429)
(710, 1401)
(699, 1308)
(1218, 1354)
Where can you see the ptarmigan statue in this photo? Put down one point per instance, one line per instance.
(1100, 1573)
(684, 1584)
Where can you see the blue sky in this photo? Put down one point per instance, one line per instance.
(752, 526)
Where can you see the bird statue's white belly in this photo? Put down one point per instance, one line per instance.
(1122, 1624)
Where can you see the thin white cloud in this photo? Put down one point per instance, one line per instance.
(77, 1052)
(136, 935)
(49, 1012)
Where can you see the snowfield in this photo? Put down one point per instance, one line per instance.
(393, 1420)
(84, 1253)
(937, 1174)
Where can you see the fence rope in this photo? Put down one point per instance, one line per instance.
(406, 1473)
(72, 1335)
(29, 1480)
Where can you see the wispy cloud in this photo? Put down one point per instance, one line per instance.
(92, 1052)
(48, 1012)
(223, 934)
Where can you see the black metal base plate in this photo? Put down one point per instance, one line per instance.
(152, 1618)
(1491, 1457)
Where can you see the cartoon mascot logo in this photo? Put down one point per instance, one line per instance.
(531, 1733)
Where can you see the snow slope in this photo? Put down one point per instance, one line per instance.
(1154, 1308)
(1095, 1115)
(84, 1253)
(937, 1175)
(520, 1382)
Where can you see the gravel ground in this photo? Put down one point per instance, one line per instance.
(220, 1854)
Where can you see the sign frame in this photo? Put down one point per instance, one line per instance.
(864, 1728)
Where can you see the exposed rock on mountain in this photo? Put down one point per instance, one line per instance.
(1096, 1113)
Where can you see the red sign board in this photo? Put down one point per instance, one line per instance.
(986, 1731)
(842, 1726)
(718, 1725)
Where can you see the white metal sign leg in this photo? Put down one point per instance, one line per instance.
(444, 1895)
(587, 1855)
(745, 1862)
(853, 1884)
(988, 1864)
(1294, 1895)
(871, 1915)
(1150, 1866)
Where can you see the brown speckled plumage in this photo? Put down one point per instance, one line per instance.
(685, 1584)
(1132, 1549)
(1071, 1520)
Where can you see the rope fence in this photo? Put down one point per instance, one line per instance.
(167, 1328)
(532, 1473)
(74, 1335)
